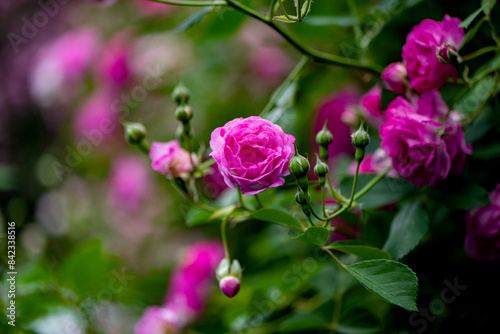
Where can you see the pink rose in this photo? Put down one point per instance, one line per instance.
(418, 153)
(252, 153)
(113, 66)
(425, 71)
(456, 146)
(482, 240)
(170, 159)
(394, 77)
(430, 104)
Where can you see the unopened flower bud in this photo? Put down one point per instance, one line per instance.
(181, 94)
(134, 132)
(229, 285)
(299, 165)
(321, 169)
(324, 137)
(300, 198)
(183, 113)
(446, 53)
(394, 77)
(360, 138)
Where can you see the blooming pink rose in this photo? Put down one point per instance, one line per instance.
(430, 104)
(371, 104)
(394, 77)
(252, 153)
(425, 71)
(482, 240)
(170, 159)
(418, 153)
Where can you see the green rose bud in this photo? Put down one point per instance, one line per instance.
(324, 137)
(134, 132)
(181, 94)
(183, 113)
(360, 138)
(321, 169)
(298, 166)
(300, 198)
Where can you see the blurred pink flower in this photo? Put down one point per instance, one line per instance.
(61, 64)
(113, 65)
(332, 109)
(170, 159)
(430, 104)
(270, 63)
(150, 8)
(373, 163)
(482, 240)
(371, 104)
(129, 183)
(95, 120)
(189, 288)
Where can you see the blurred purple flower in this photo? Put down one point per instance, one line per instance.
(160, 320)
(482, 240)
(371, 104)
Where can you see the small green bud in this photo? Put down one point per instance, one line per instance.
(321, 169)
(181, 94)
(183, 113)
(360, 138)
(134, 132)
(298, 166)
(300, 197)
(324, 137)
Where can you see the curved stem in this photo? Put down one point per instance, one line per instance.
(284, 11)
(338, 197)
(257, 198)
(354, 184)
(480, 52)
(323, 200)
(373, 182)
(240, 197)
(224, 237)
(192, 3)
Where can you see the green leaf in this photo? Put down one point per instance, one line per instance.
(276, 216)
(316, 235)
(471, 33)
(461, 195)
(387, 191)
(360, 249)
(488, 67)
(474, 97)
(465, 23)
(284, 19)
(194, 19)
(196, 216)
(407, 229)
(302, 322)
(392, 281)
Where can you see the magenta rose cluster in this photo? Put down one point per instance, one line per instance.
(426, 57)
(423, 150)
(189, 288)
(252, 153)
(482, 240)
